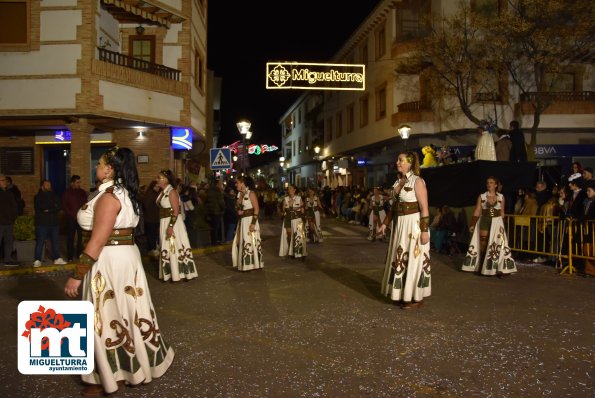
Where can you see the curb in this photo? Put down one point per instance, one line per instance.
(44, 269)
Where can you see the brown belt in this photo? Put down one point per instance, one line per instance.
(165, 212)
(405, 208)
(121, 236)
(491, 212)
(248, 213)
(293, 214)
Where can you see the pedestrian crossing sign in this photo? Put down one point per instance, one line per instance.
(220, 158)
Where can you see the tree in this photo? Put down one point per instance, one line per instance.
(454, 59)
(530, 41)
(535, 40)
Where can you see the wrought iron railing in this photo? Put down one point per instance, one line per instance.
(138, 64)
(415, 106)
(560, 96)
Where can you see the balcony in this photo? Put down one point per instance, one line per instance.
(563, 102)
(138, 64)
(416, 111)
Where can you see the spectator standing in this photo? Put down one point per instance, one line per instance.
(72, 200)
(47, 208)
(8, 213)
(518, 151)
(230, 215)
(150, 212)
(587, 174)
(17, 195)
(577, 196)
(589, 215)
(215, 209)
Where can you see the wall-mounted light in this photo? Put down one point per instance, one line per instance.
(141, 134)
(317, 149)
(140, 30)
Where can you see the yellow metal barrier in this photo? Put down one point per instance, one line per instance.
(562, 240)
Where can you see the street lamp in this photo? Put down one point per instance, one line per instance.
(404, 132)
(244, 129)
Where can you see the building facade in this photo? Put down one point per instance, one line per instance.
(79, 76)
(358, 129)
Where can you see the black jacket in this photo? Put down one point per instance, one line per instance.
(8, 207)
(47, 208)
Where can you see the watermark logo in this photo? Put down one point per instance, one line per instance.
(55, 337)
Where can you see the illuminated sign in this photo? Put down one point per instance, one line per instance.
(181, 138)
(297, 75)
(63, 135)
(253, 149)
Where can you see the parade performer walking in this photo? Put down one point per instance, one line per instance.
(293, 234)
(246, 250)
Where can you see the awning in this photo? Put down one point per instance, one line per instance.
(141, 11)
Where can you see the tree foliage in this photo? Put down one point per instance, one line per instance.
(530, 41)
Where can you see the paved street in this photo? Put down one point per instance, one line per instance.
(320, 328)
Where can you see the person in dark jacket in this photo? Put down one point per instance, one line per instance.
(150, 212)
(17, 195)
(215, 206)
(230, 216)
(47, 208)
(72, 200)
(8, 213)
(518, 151)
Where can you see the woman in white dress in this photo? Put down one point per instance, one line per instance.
(485, 149)
(175, 259)
(377, 214)
(406, 277)
(489, 253)
(293, 234)
(313, 206)
(129, 347)
(246, 249)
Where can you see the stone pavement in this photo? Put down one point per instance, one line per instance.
(320, 328)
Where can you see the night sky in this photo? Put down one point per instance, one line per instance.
(243, 36)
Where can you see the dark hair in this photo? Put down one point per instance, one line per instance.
(497, 181)
(248, 181)
(170, 177)
(123, 162)
(8, 179)
(514, 124)
(75, 178)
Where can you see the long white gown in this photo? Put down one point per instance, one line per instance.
(246, 249)
(296, 246)
(128, 342)
(377, 209)
(175, 260)
(407, 267)
(486, 149)
(313, 212)
(498, 258)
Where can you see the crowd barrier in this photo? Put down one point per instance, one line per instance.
(560, 240)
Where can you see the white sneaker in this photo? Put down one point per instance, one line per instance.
(59, 261)
(37, 263)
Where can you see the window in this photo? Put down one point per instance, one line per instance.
(381, 102)
(380, 41)
(300, 116)
(339, 121)
(363, 54)
(300, 145)
(488, 8)
(142, 47)
(363, 111)
(16, 161)
(409, 19)
(560, 82)
(350, 119)
(199, 70)
(328, 131)
(293, 148)
(16, 19)
(492, 86)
